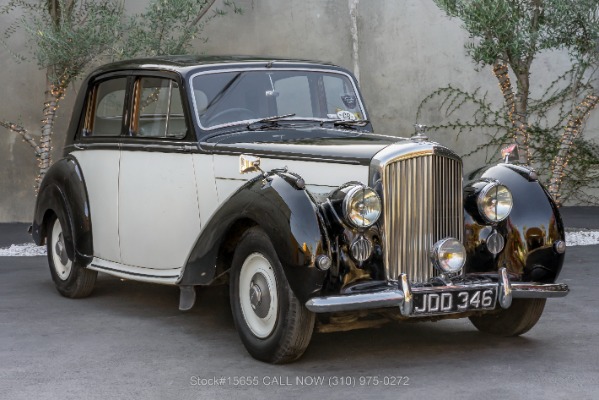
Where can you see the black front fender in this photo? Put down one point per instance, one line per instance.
(63, 193)
(287, 214)
(530, 231)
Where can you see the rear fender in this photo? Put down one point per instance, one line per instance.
(63, 193)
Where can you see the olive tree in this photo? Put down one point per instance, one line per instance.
(66, 37)
(508, 35)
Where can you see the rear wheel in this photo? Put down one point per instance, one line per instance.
(272, 323)
(522, 315)
(70, 278)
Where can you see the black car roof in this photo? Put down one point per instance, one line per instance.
(183, 64)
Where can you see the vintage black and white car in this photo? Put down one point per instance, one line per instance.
(266, 175)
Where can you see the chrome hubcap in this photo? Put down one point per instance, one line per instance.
(60, 250)
(62, 264)
(259, 295)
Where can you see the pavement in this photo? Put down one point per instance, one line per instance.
(129, 341)
(582, 217)
(14, 233)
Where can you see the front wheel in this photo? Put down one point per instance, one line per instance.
(522, 315)
(272, 323)
(70, 278)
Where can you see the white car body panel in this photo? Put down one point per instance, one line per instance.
(101, 173)
(203, 165)
(320, 177)
(159, 217)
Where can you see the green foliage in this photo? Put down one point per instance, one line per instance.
(169, 26)
(66, 36)
(514, 31)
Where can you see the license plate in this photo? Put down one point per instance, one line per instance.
(454, 301)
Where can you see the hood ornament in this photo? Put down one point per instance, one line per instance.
(510, 153)
(420, 132)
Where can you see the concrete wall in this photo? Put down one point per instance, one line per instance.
(407, 49)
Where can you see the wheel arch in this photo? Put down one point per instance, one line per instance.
(63, 193)
(287, 214)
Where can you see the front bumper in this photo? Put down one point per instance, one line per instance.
(402, 296)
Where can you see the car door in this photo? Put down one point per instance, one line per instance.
(97, 150)
(159, 217)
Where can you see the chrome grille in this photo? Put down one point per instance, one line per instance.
(422, 194)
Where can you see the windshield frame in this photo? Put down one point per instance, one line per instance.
(246, 122)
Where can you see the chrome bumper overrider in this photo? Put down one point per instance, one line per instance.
(402, 296)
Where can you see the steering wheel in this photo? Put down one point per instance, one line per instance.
(241, 114)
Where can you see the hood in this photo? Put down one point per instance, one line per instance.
(308, 144)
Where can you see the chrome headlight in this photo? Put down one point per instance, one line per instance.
(361, 206)
(448, 255)
(494, 202)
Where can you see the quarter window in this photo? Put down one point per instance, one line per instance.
(158, 111)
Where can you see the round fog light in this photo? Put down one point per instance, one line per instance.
(448, 255)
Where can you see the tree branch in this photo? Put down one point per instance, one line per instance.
(24, 134)
(209, 4)
(571, 133)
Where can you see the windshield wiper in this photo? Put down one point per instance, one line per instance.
(348, 123)
(268, 121)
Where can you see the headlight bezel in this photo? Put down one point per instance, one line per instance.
(481, 197)
(347, 200)
(441, 246)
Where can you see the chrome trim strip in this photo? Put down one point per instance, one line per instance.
(107, 269)
(404, 150)
(539, 290)
(360, 301)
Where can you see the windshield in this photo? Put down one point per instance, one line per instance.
(229, 98)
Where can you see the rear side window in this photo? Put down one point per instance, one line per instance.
(158, 112)
(105, 112)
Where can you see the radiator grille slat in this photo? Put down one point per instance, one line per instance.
(423, 204)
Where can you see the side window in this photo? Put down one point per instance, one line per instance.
(104, 115)
(158, 111)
